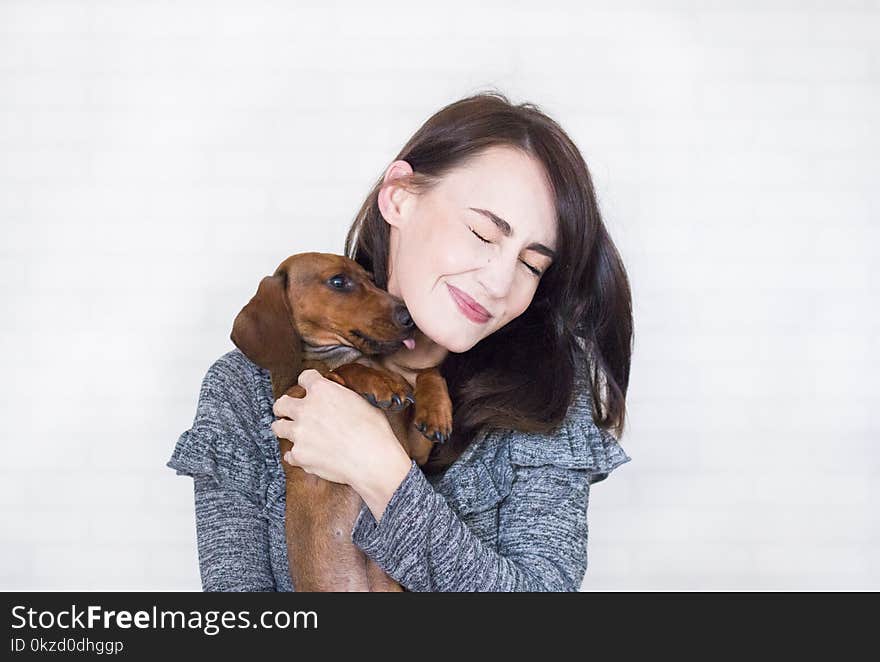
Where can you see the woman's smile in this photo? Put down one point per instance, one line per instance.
(469, 308)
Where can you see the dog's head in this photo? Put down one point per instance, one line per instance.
(319, 300)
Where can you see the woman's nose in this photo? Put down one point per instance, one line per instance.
(498, 275)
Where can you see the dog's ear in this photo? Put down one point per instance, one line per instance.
(264, 330)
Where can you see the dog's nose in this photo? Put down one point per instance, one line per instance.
(401, 315)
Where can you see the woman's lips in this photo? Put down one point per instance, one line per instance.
(470, 308)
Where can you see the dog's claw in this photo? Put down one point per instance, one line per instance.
(411, 398)
(396, 400)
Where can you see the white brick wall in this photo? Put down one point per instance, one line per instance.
(157, 159)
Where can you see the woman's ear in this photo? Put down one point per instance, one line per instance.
(393, 194)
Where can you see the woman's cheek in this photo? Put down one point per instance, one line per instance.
(523, 301)
(457, 257)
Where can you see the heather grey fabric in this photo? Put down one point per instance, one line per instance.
(509, 515)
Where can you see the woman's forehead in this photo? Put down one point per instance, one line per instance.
(511, 186)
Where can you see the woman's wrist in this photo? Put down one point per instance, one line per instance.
(381, 479)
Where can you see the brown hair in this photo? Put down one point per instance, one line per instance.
(523, 376)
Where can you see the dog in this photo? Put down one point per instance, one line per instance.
(323, 311)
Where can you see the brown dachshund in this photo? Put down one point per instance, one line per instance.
(323, 311)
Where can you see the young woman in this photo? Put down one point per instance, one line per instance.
(486, 225)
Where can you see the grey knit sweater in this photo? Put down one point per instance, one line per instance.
(509, 515)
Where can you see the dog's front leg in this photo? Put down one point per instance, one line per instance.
(433, 416)
(381, 388)
(297, 391)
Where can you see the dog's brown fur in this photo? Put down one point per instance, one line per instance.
(300, 319)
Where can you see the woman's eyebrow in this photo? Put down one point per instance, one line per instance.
(507, 231)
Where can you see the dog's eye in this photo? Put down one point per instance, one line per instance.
(339, 282)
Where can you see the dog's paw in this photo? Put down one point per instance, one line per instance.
(433, 408)
(389, 392)
(434, 422)
(432, 431)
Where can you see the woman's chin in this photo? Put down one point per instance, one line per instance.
(453, 338)
(458, 344)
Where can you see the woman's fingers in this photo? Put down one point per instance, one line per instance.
(285, 406)
(294, 458)
(308, 377)
(283, 429)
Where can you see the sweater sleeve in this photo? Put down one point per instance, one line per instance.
(232, 540)
(541, 485)
(424, 545)
(220, 454)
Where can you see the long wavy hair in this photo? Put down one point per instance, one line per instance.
(579, 323)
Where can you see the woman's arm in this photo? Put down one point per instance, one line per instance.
(227, 468)
(419, 540)
(233, 540)
(542, 546)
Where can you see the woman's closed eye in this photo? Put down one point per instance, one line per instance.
(481, 237)
(535, 271)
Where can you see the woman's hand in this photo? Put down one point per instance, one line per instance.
(339, 436)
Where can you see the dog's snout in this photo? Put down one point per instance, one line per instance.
(401, 315)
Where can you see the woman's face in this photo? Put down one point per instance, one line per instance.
(461, 274)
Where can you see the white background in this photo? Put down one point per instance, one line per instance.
(157, 159)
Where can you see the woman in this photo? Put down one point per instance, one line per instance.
(487, 226)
